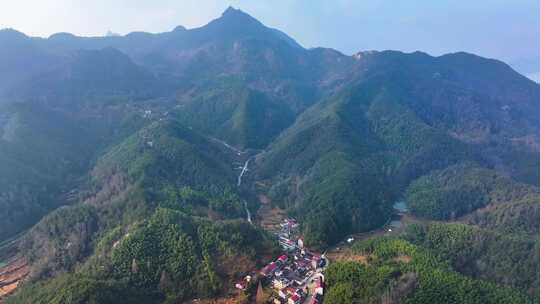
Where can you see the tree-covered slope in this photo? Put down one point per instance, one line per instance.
(476, 98)
(483, 254)
(161, 165)
(43, 155)
(398, 271)
(46, 152)
(228, 110)
(90, 76)
(349, 156)
(461, 189)
(406, 115)
(318, 171)
(21, 59)
(516, 217)
(188, 249)
(166, 152)
(168, 258)
(170, 163)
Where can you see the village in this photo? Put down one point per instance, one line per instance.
(295, 277)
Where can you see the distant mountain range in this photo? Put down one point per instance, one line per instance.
(119, 158)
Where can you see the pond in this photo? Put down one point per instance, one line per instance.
(401, 206)
(396, 224)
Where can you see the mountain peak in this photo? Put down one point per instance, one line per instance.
(11, 38)
(232, 11)
(9, 32)
(234, 22)
(63, 36)
(237, 16)
(180, 28)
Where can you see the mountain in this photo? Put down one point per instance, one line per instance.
(21, 59)
(89, 75)
(44, 155)
(128, 165)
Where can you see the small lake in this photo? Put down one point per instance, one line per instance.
(401, 206)
(396, 224)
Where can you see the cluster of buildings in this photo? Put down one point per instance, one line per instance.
(287, 228)
(295, 277)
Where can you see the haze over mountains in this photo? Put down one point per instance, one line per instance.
(118, 158)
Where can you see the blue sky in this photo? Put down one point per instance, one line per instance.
(506, 30)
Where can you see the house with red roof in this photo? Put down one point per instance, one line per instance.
(295, 299)
(269, 269)
(319, 286)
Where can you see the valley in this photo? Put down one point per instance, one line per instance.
(296, 275)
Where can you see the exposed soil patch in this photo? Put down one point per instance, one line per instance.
(346, 254)
(232, 300)
(11, 276)
(269, 217)
(7, 289)
(403, 259)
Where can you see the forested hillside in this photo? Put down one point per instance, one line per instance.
(45, 154)
(398, 271)
(461, 189)
(168, 258)
(483, 254)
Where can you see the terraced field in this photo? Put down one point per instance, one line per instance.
(11, 274)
